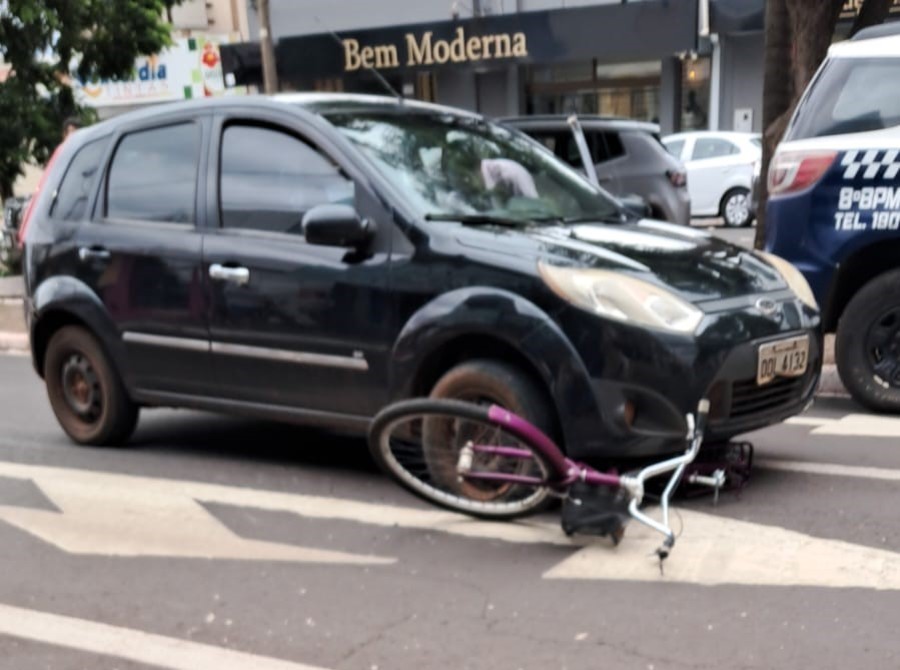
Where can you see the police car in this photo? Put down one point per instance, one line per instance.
(834, 208)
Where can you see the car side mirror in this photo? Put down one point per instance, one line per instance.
(336, 226)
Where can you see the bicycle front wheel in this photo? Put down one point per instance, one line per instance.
(452, 454)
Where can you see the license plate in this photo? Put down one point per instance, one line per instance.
(784, 358)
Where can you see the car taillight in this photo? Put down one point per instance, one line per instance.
(29, 209)
(796, 170)
(677, 178)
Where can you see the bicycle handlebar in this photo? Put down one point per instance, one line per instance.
(696, 426)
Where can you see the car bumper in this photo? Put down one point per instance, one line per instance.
(641, 399)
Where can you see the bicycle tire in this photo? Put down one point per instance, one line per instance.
(406, 462)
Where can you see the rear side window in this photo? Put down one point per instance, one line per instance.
(270, 179)
(712, 147)
(850, 95)
(74, 192)
(153, 176)
(605, 146)
(674, 147)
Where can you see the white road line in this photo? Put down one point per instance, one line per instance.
(717, 550)
(809, 421)
(87, 493)
(831, 469)
(129, 644)
(862, 425)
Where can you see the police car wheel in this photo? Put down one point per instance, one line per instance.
(867, 348)
(735, 208)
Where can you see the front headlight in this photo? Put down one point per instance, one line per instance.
(618, 296)
(794, 278)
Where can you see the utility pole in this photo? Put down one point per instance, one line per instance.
(267, 50)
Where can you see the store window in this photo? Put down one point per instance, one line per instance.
(628, 90)
(695, 93)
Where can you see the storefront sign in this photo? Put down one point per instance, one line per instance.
(190, 68)
(851, 8)
(634, 31)
(424, 50)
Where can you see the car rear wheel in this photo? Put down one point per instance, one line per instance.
(867, 347)
(735, 208)
(86, 394)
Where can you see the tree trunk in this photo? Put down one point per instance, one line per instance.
(777, 94)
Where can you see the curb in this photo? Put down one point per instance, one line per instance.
(14, 343)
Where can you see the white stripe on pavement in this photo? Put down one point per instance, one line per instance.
(831, 469)
(129, 644)
(862, 425)
(717, 550)
(809, 420)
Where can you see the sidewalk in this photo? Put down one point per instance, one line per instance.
(14, 338)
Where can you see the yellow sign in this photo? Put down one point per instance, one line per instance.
(425, 50)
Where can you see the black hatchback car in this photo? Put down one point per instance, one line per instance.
(311, 257)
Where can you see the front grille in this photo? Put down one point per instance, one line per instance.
(748, 399)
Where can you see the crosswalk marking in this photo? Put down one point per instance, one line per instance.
(832, 469)
(130, 644)
(716, 550)
(99, 503)
(861, 425)
(809, 421)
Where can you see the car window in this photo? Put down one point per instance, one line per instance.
(75, 189)
(605, 146)
(447, 165)
(270, 178)
(849, 96)
(712, 147)
(674, 147)
(153, 176)
(756, 141)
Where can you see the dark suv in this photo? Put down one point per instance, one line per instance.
(310, 258)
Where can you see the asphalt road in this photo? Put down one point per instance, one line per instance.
(212, 542)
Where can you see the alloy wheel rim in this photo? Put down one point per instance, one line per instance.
(737, 210)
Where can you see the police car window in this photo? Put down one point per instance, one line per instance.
(153, 176)
(269, 179)
(75, 190)
(712, 147)
(850, 95)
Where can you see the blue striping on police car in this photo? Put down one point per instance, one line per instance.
(871, 164)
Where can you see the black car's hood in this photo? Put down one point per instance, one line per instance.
(697, 266)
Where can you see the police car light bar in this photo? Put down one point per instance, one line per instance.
(797, 170)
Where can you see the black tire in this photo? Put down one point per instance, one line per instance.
(86, 394)
(486, 382)
(734, 208)
(867, 347)
(402, 434)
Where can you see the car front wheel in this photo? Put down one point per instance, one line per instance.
(735, 208)
(85, 391)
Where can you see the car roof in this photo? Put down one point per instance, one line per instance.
(318, 103)
(884, 43)
(724, 134)
(586, 120)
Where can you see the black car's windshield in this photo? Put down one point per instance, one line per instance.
(450, 165)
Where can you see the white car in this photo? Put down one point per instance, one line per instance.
(720, 169)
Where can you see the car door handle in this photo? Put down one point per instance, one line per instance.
(86, 254)
(235, 275)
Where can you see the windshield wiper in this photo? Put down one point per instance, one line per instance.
(478, 219)
(598, 218)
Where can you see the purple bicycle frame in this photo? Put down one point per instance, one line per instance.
(565, 471)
